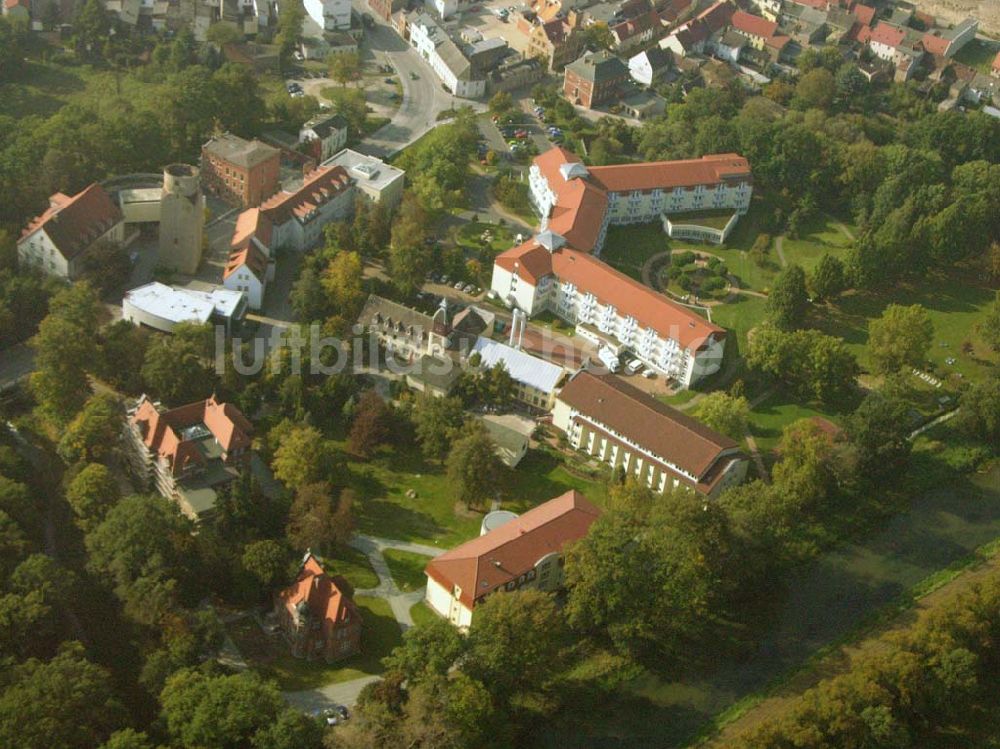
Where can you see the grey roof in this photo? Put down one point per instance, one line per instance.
(323, 126)
(435, 372)
(659, 59)
(598, 67)
(510, 441)
(243, 153)
(523, 367)
(382, 311)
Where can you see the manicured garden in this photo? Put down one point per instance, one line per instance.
(271, 657)
(483, 237)
(693, 274)
(627, 248)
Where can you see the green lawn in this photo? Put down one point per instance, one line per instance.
(769, 418)
(44, 88)
(978, 54)
(422, 613)
(353, 566)
(270, 655)
(820, 237)
(627, 248)
(955, 304)
(470, 236)
(407, 568)
(432, 516)
(739, 316)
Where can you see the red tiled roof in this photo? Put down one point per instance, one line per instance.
(323, 595)
(753, 25)
(817, 4)
(650, 309)
(708, 170)
(251, 224)
(160, 429)
(934, 44)
(9, 4)
(635, 26)
(864, 13)
(672, 10)
(556, 31)
(716, 16)
(579, 213)
(74, 223)
(887, 34)
(320, 187)
(250, 256)
(486, 564)
(664, 431)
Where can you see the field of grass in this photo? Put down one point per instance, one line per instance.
(270, 655)
(353, 566)
(771, 416)
(818, 238)
(407, 568)
(422, 613)
(470, 236)
(955, 304)
(740, 316)
(627, 248)
(432, 516)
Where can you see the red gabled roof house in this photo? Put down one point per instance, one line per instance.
(525, 552)
(318, 615)
(58, 240)
(298, 217)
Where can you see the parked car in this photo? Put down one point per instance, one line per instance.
(633, 366)
(458, 285)
(298, 56)
(468, 288)
(331, 716)
(445, 280)
(648, 374)
(413, 76)
(390, 81)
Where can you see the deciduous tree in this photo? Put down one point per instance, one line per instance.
(900, 338)
(788, 300)
(91, 494)
(473, 467)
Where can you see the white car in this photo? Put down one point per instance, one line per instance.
(633, 366)
(649, 374)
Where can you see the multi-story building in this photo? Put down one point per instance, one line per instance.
(650, 65)
(182, 219)
(556, 41)
(692, 36)
(330, 15)
(456, 71)
(594, 79)
(317, 614)
(762, 34)
(187, 453)
(375, 180)
(410, 335)
(536, 380)
(57, 242)
(244, 172)
(298, 217)
(579, 202)
(325, 135)
(643, 438)
(524, 552)
(608, 308)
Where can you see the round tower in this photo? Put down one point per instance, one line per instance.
(182, 218)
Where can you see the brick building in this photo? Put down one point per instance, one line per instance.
(594, 79)
(244, 172)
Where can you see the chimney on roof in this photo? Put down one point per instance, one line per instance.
(496, 563)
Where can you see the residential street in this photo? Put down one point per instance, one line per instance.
(423, 97)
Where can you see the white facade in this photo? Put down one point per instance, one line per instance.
(641, 70)
(302, 233)
(657, 472)
(329, 145)
(245, 280)
(330, 15)
(37, 250)
(600, 322)
(446, 604)
(446, 59)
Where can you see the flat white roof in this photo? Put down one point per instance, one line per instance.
(524, 368)
(183, 305)
(367, 170)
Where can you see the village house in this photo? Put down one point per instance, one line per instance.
(556, 41)
(329, 15)
(240, 171)
(650, 66)
(692, 36)
(324, 135)
(594, 79)
(456, 71)
(250, 265)
(635, 25)
(524, 552)
(636, 434)
(187, 453)
(57, 241)
(317, 614)
(409, 335)
(762, 34)
(161, 307)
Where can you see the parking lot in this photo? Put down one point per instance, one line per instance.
(484, 19)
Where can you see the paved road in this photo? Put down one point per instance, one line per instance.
(423, 98)
(16, 363)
